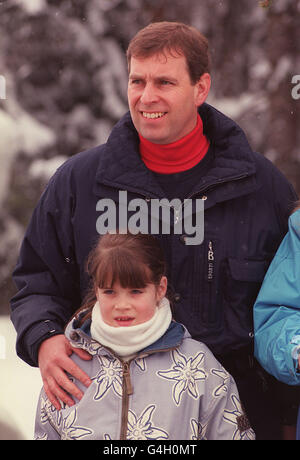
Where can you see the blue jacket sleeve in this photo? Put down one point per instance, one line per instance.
(46, 274)
(277, 310)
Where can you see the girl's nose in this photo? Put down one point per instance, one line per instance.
(122, 303)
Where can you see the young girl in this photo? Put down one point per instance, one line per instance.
(150, 380)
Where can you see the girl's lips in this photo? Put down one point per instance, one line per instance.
(124, 320)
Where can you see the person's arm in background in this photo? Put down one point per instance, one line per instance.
(277, 310)
(47, 279)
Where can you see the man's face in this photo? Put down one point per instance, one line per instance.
(162, 100)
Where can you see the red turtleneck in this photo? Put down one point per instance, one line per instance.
(177, 156)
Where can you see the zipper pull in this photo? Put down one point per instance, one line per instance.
(126, 376)
(177, 214)
(210, 258)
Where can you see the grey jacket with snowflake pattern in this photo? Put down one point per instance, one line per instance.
(173, 390)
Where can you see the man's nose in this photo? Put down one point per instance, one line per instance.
(149, 94)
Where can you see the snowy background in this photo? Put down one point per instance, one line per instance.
(63, 86)
(19, 389)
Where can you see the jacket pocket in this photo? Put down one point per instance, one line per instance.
(243, 279)
(247, 270)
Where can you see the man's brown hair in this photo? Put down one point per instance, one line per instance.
(176, 39)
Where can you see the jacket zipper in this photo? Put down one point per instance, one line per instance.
(204, 189)
(127, 391)
(207, 188)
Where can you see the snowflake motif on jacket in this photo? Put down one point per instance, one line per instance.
(225, 377)
(141, 428)
(185, 372)
(234, 416)
(46, 409)
(49, 413)
(110, 376)
(198, 430)
(70, 431)
(141, 364)
(43, 437)
(91, 346)
(65, 425)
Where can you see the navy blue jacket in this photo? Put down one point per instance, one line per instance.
(247, 203)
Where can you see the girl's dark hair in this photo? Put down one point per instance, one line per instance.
(132, 260)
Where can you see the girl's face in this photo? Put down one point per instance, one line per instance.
(128, 306)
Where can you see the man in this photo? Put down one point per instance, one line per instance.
(171, 145)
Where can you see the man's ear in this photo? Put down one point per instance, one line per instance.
(202, 88)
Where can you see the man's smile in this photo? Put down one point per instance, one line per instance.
(153, 115)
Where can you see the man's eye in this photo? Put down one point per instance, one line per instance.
(135, 82)
(165, 82)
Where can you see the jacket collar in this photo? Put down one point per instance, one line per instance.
(121, 167)
(80, 337)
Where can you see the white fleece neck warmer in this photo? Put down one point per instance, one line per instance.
(128, 340)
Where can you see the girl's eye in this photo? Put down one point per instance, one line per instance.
(108, 291)
(136, 291)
